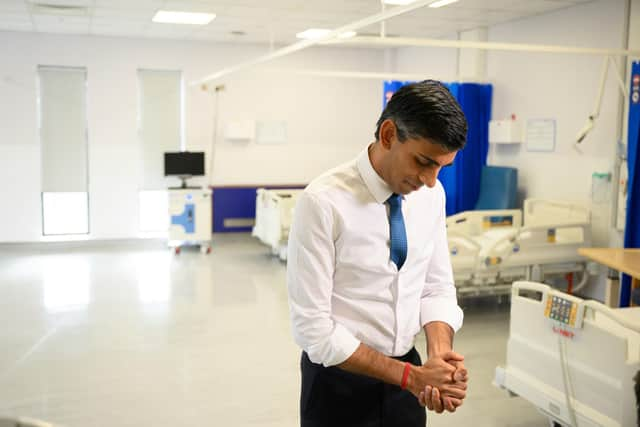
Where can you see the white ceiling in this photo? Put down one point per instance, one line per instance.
(260, 20)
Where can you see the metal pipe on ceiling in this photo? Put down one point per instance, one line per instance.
(304, 44)
(460, 44)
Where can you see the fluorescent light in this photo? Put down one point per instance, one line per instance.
(317, 33)
(398, 2)
(175, 17)
(441, 3)
(313, 33)
(347, 35)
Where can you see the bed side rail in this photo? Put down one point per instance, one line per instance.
(474, 223)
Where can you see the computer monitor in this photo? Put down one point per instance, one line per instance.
(184, 164)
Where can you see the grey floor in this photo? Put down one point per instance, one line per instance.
(127, 334)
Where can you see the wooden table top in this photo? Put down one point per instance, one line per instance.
(625, 260)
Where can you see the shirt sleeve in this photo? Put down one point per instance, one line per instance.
(310, 268)
(439, 301)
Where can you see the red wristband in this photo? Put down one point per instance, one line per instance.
(405, 375)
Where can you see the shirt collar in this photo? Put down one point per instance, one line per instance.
(376, 185)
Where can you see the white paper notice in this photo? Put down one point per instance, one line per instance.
(541, 134)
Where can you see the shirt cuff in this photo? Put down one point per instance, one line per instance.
(340, 345)
(441, 310)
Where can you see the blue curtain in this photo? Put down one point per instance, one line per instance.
(632, 228)
(462, 180)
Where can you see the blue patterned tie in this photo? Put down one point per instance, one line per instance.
(397, 231)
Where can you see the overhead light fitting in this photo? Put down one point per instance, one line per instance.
(312, 33)
(441, 3)
(176, 17)
(347, 35)
(317, 33)
(59, 9)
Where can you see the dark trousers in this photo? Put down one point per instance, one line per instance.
(332, 397)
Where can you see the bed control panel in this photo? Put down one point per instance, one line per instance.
(564, 309)
(493, 221)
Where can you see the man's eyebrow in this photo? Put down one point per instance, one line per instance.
(433, 161)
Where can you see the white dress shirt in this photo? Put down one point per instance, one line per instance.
(343, 287)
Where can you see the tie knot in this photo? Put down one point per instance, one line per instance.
(395, 200)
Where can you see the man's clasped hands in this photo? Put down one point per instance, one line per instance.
(441, 383)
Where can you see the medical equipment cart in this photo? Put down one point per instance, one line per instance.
(190, 218)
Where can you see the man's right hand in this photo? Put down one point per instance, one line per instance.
(434, 401)
(438, 374)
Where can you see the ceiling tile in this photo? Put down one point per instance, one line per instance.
(63, 29)
(127, 26)
(15, 17)
(193, 6)
(123, 14)
(278, 19)
(16, 26)
(12, 6)
(60, 21)
(113, 30)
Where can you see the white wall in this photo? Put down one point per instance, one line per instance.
(562, 87)
(435, 63)
(329, 120)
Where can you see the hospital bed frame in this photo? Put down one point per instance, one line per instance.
(274, 214)
(545, 245)
(574, 359)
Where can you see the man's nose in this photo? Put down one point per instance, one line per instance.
(429, 177)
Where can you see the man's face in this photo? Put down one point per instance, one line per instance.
(414, 163)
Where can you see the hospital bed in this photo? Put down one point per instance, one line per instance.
(274, 213)
(492, 248)
(574, 359)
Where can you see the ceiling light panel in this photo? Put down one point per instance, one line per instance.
(177, 17)
(347, 35)
(313, 33)
(441, 3)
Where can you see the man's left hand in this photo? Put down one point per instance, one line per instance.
(435, 401)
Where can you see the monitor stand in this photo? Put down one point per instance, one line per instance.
(184, 186)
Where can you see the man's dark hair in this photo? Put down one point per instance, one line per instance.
(426, 110)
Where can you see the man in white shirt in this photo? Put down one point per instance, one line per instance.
(368, 268)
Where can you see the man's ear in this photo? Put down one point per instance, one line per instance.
(388, 133)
